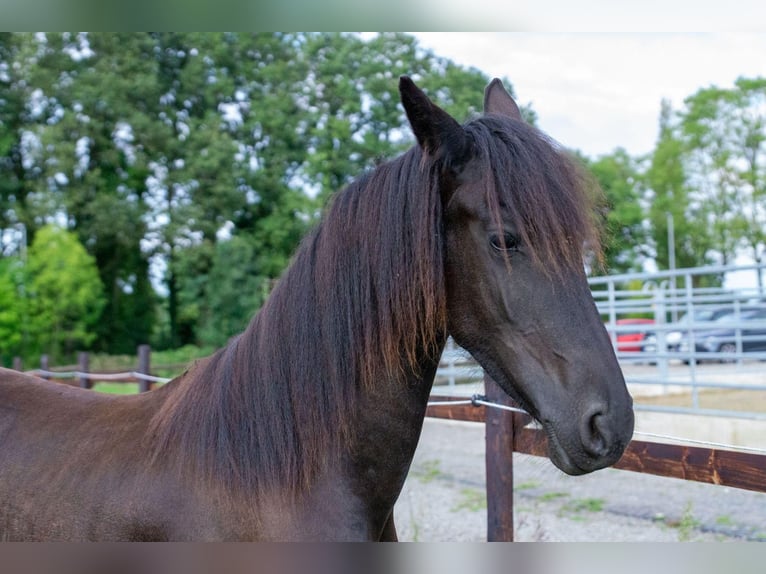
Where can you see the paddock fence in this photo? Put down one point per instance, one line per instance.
(81, 375)
(692, 346)
(509, 432)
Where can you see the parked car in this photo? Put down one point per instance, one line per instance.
(699, 315)
(748, 326)
(632, 341)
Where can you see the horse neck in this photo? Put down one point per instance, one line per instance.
(345, 348)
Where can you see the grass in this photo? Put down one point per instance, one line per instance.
(471, 499)
(686, 525)
(724, 520)
(548, 496)
(584, 505)
(428, 471)
(116, 388)
(175, 357)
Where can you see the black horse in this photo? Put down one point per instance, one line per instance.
(305, 425)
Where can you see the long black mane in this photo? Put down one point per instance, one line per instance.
(363, 298)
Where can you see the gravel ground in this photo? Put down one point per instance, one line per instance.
(443, 499)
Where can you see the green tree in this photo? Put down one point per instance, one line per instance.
(710, 161)
(159, 147)
(231, 157)
(235, 290)
(21, 114)
(748, 124)
(65, 293)
(721, 206)
(625, 240)
(352, 94)
(99, 87)
(668, 194)
(12, 312)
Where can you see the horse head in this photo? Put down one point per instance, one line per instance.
(518, 221)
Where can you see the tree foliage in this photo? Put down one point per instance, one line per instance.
(189, 165)
(12, 311)
(625, 237)
(708, 171)
(64, 294)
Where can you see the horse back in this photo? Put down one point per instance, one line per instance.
(75, 463)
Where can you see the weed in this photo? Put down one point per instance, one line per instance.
(548, 496)
(428, 471)
(687, 524)
(526, 485)
(471, 499)
(724, 520)
(584, 505)
(415, 529)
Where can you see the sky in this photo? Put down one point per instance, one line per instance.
(599, 91)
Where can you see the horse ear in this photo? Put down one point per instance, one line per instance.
(498, 101)
(437, 132)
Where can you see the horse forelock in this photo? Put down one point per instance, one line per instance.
(362, 301)
(548, 195)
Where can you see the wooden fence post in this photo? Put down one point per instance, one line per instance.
(144, 366)
(499, 464)
(44, 367)
(83, 365)
(17, 364)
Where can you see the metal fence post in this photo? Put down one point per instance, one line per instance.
(499, 465)
(83, 366)
(44, 367)
(144, 366)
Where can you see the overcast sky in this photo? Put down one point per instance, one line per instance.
(596, 92)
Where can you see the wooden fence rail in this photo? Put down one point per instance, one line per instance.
(508, 432)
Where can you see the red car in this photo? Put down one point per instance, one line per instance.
(631, 341)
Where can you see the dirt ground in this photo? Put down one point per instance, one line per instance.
(444, 499)
(723, 399)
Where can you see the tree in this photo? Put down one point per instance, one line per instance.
(710, 161)
(230, 161)
(179, 152)
(668, 187)
(21, 114)
(626, 238)
(12, 310)
(235, 289)
(352, 94)
(748, 122)
(99, 88)
(65, 293)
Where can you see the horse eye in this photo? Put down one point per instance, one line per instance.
(507, 243)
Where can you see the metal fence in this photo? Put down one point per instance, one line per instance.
(689, 341)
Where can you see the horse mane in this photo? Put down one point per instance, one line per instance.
(363, 300)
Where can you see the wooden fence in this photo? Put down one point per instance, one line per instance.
(508, 432)
(80, 374)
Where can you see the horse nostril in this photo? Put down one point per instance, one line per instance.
(595, 434)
